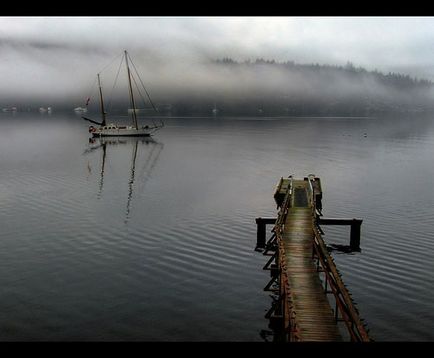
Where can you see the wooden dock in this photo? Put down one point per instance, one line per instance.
(302, 310)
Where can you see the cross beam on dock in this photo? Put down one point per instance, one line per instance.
(301, 310)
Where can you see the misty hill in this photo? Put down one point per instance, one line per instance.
(249, 88)
(267, 87)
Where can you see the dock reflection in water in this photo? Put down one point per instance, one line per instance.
(148, 157)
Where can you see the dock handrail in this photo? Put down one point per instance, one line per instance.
(344, 303)
(290, 325)
(333, 278)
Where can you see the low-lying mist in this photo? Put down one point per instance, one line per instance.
(63, 75)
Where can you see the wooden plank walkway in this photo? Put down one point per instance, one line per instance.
(312, 315)
(301, 310)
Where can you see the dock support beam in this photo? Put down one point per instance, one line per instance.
(354, 233)
(261, 233)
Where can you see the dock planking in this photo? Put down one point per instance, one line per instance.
(303, 306)
(314, 318)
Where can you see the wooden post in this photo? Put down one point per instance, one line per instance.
(260, 234)
(261, 231)
(355, 235)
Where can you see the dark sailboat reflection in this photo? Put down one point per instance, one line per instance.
(152, 152)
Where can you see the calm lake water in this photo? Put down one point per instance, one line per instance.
(154, 240)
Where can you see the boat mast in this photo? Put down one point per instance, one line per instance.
(102, 102)
(131, 92)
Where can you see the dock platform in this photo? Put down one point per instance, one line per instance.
(299, 257)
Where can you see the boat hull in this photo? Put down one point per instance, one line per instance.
(120, 132)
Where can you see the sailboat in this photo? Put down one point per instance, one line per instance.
(113, 130)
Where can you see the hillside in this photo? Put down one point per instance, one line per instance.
(267, 87)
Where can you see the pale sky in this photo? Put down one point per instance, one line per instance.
(58, 53)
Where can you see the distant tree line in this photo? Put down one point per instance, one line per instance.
(264, 87)
(325, 90)
(391, 78)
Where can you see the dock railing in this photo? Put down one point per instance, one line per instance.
(287, 313)
(343, 302)
(282, 310)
